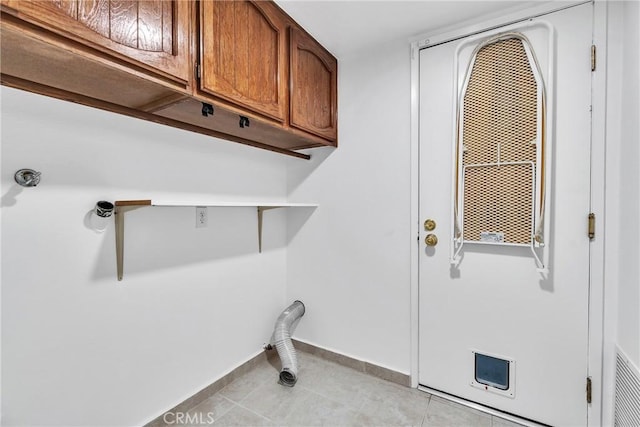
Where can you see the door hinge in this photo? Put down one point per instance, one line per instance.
(593, 57)
(592, 226)
(589, 389)
(197, 72)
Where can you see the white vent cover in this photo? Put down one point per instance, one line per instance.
(627, 404)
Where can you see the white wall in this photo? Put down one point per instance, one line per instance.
(350, 261)
(629, 275)
(80, 348)
(622, 256)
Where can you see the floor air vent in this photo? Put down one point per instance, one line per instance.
(627, 410)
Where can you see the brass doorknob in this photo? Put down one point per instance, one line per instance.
(431, 240)
(429, 225)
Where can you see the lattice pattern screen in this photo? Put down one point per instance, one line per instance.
(500, 125)
(492, 206)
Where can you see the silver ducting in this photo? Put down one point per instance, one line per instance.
(281, 339)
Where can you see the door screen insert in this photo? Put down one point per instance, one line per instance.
(500, 151)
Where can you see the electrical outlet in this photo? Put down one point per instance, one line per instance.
(201, 216)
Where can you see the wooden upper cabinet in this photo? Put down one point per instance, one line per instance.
(244, 55)
(313, 87)
(152, 34)
(137, 57)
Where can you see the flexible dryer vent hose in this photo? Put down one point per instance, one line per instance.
(281, 339)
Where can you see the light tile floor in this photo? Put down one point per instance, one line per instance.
(328, 394)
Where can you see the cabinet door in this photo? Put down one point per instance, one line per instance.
(243, 55)
(152, 34)
(314, 76)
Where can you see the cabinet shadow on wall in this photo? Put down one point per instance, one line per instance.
(296, 220)
(298, 171)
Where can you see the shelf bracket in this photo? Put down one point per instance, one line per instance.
(124, 206)
(261, 209)
(121, 207)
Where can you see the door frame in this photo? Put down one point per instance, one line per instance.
(600, 330)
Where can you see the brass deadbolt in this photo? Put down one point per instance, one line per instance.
(431, 240)
(429, 225)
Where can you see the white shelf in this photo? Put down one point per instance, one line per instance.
(164, 203)
(123, 206)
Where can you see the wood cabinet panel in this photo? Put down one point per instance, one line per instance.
(70, 7)
(38, 61)
(134, 57)
(313, 89)
(261, 131)
(243, 55)
(124, 24)
(95, 15)
(151, 33)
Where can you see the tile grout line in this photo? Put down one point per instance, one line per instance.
(330, 397)
(227, 411)
(382, 376)
(213, 388)
(364, 367)
(253, 390)
(377, 379)
(328, 365)
(426, 411)
(334, 400)
(254, 412)
(222, 414)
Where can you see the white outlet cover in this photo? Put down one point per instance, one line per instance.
(201, 216)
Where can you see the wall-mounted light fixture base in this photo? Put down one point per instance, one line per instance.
(100, 215)
(27, 177)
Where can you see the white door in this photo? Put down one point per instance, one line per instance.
(504, 319)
